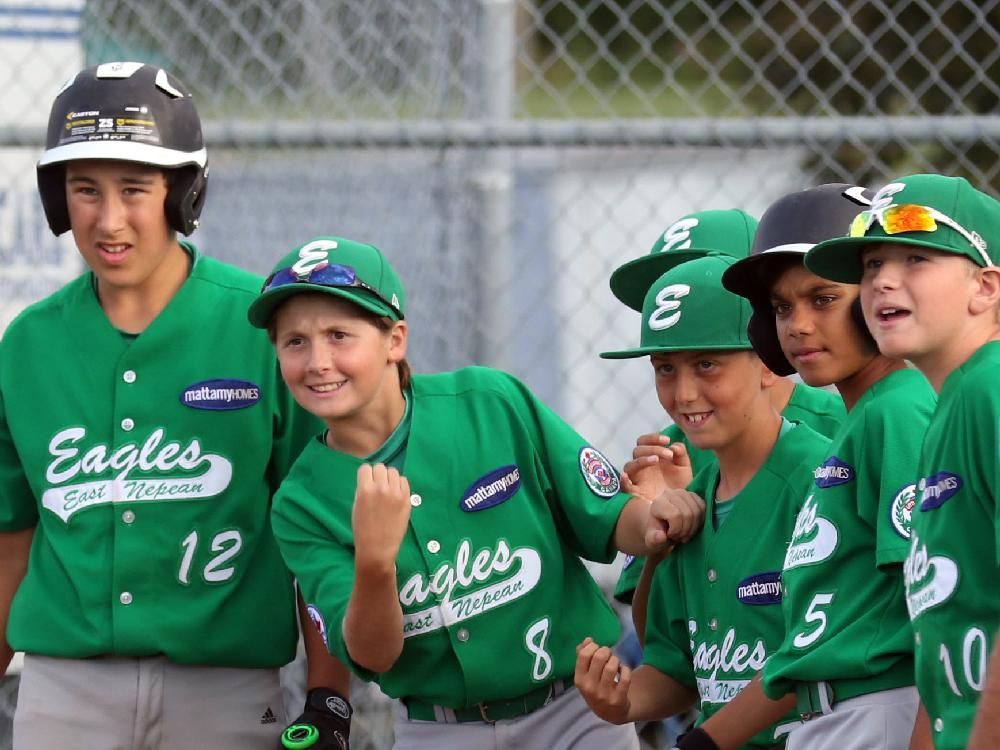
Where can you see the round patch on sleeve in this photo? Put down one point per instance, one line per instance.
(901, 510)
(600, 475)
(317, 619)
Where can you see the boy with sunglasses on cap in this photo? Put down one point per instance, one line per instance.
(714, 616)
(847, 654)
(143, 430)
(924, 254)
(693, 236)
(436, 527)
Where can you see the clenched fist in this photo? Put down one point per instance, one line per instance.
(381, 512)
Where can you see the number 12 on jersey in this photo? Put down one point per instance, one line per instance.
(226, 545)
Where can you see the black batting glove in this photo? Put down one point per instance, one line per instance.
(325, 723)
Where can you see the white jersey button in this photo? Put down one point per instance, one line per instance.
(463, 635)
(125, 598)
(128, 516)
(433, 546)
(415, 500)
(712, 575)
(938, 724)
(127, 424)
(916, 638)
(713, 624)
(129, 376)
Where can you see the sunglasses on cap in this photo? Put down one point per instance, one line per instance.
(324, 274)
(909, 217)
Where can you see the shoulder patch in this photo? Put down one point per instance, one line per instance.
(600, 475)
(491, 489)
(901, 510)
(759, 589)
(832, 472)
(220, 395)
(317, 619)
(937, 489)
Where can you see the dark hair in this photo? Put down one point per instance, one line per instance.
(381, 322)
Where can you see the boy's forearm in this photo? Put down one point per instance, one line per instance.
(630, 531)
(373, 624)
(322, 668)
(746, 715)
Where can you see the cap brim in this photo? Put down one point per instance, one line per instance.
(840, 259)
(643, 351)
(261, 309)
(631, 281)
(746, 278)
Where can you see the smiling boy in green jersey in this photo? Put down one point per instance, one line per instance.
(714, 607)
(693, 236)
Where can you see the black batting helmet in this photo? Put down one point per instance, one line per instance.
(126, 111)
(788, 230)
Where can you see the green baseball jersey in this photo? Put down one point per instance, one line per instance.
(506, 499)
(146, 465)
(844, 606)
(714, 609)
(822, 410)
(952, 567)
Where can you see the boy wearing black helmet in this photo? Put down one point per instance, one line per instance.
(143, 429)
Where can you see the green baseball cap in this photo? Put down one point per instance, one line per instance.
(688, 309)
(693, 236)
(332, 265)
(927, 210)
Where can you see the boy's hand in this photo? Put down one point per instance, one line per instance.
(602, 681)
(676, 515)
(381, 512)
(657, 465)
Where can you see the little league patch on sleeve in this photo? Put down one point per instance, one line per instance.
(317, 620)
(491, 489)
(220, 395)
(901, 510)
(600, 475)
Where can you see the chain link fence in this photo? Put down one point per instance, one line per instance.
(508, 154)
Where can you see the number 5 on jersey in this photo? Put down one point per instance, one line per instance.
(807, 637)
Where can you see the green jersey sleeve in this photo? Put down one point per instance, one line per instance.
(583, 488)
(668, 643)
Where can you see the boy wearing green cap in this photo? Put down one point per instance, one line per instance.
(436, 527)
(729, 231)
(924, 256)
(714, 614)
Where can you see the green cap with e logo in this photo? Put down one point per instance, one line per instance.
(688, 309)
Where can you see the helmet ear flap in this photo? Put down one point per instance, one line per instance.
(52, 191)
(868, 341)
(763, 336)
(186, 197)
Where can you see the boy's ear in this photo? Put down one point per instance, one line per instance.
(398, 336)
(987, 296)
(767, 376)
